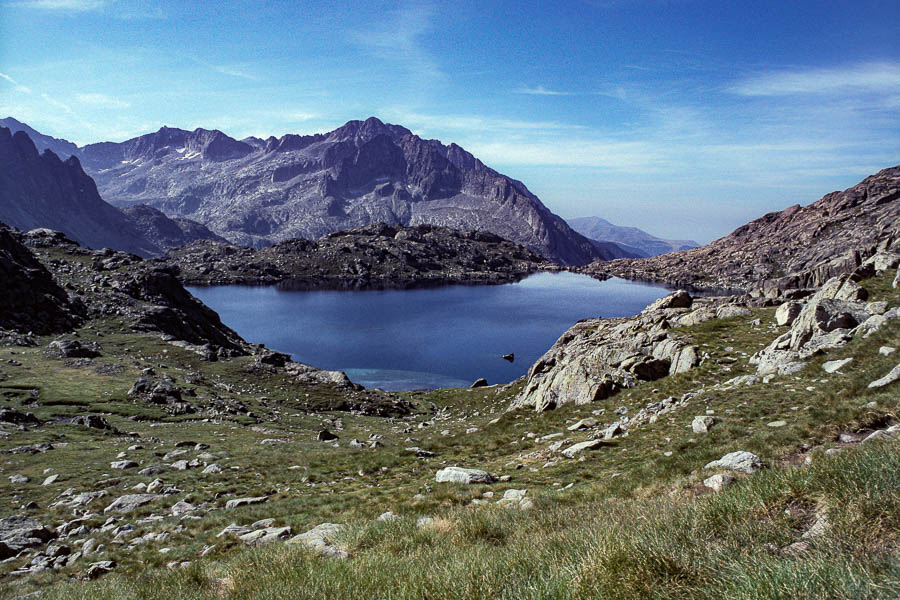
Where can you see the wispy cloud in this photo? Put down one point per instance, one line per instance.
(400, 41)
(101, 101)
(864, 77)
(17, 86)
(230, 70)
(541, 91)
(62, 5)
(54, 102)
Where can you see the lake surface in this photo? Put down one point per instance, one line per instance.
(401, 340)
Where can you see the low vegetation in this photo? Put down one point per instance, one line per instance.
(631, 519)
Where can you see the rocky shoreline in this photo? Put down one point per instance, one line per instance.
(371, 257)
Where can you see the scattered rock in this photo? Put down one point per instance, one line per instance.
(99, 569)
(130, 502)
(888, 379)
(480, 382)
(576, 449)
(582, 424)
(832, 366)
(239, 502)
(19, 532)
(124, 464)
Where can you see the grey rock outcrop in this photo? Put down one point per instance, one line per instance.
(596, 358)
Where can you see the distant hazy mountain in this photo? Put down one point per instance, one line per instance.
(256, 192)
(40, 190)
(631, 239)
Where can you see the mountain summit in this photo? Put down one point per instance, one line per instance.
(257, 192)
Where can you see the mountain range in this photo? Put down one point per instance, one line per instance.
(256, 192)
(634, 241)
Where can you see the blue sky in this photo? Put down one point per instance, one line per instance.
(686, 118)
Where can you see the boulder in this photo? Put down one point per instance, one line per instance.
(740, 461)
(787, 312)
(74, 348)
(320, 540)
(15, 416)
(19, 532)
(678, 299)
(731, 311)
(464, 476)
(130, 502)
(480, 382)
(325, 436)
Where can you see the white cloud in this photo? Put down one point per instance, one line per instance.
(101, 101)
(865, 77)
(541, 91)
(62, 5)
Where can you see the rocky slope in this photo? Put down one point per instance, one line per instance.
(62, 148)
(374, 256)
(257, 192)
(632, 240)
(799, 247)
(166, 233)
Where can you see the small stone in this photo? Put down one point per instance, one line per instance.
(886, 350)
(388, 516)
(123, 464)
(19, 479)
(702, 424)
(776, 424)
(51, 479)
(719, 482)
(582, 424)
(98, 569)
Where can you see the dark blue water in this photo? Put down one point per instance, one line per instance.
(412, 339)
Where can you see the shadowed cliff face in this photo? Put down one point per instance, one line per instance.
(258, 192)
(799, 247)
(32, 301)
(40, 190)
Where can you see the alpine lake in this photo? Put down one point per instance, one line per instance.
(401, 340)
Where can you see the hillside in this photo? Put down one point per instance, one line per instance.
(258, 192)
(799, 247)
(200, 466)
